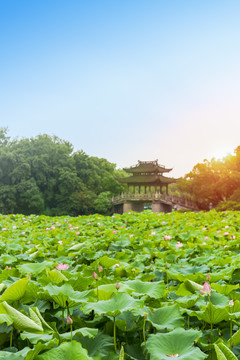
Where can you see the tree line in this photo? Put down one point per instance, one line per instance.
(214, 183)
(43, 175)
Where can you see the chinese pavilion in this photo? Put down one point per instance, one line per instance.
(145, 185)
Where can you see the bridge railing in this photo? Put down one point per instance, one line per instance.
(170, 199)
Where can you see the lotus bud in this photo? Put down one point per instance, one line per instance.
(94, 275)
(100, 269)
(231, 303)
(117, 285)
(69, 320)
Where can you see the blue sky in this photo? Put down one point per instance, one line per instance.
(124, 80)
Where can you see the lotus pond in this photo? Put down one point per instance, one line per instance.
(132, 286)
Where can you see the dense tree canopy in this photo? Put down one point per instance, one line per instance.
(215, 182)
(43, 175)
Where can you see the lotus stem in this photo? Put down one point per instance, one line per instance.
(11, 336)
(144, 332)
(188, 321)
(231, 328)
(63, 318)
(114, 335)
(71, 331)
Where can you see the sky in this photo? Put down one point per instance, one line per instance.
(124, 80)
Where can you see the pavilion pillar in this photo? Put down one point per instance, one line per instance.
(155, 189)
(167, 189)
(161, 189)
(145, 190)
(128, 188)
(134, 189)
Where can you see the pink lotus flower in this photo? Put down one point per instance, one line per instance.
(218, 231)
(117, 285)
(206, 289)
(204, 243)
(114, 231)
(167, 237)
(226, 227)
(208, 277)
(62, 266)
(114, 266)
(226, 233)
(60, 242)
(52, 227)
(100, 269)
(232, 237)
(4, 229)
(203, 229)
(23, 233)
(231, 303)
(206, 238)
(78, 232)
(69, 320)
(94, 275)
(178, 245)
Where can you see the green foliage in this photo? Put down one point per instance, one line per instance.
(101, 288)
(214, 182)
(42, 175)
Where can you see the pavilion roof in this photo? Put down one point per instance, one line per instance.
(147, 167)
(146, 179)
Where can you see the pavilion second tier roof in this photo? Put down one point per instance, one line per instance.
(147, 167)
(146, 179)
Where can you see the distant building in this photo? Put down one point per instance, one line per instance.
(147, 188)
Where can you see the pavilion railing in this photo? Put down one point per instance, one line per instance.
(168, 199)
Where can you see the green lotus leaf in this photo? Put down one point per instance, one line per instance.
(99, 347)
(34, 268)
(40, 346)
(212, 314)
(31, 293)
(187, 301)
(55, 276)
(35, 338)
(235, 339)
(44, 324)
(67, 351)
(64, 295)
(225, 289)
(2, 286)
(192, 286)
(234, 310)
(4, 318)
(88, 332)
(15, 291)
(107, 262)
(7, 259)
(151, 289)
(219, 299)
(126, 321)
(168, 317)
(178, 342)
(223, 352)
(76, 247)
(20, 355)
(22, 322)
(119, 303)
(34, 317)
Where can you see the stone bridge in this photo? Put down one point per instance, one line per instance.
(160, 202)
